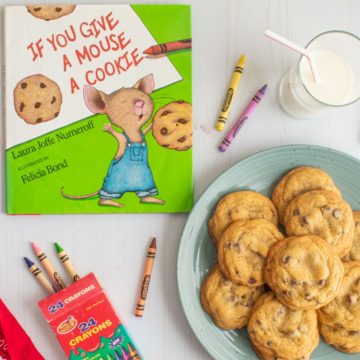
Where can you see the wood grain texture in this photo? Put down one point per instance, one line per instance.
(114, 246)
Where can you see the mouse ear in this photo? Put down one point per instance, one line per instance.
(146, 84)
(95, 100)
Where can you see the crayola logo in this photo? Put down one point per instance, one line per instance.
(66, 326)
(145, 287)
(227, 100)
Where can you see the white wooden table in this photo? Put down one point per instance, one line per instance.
(114, 246)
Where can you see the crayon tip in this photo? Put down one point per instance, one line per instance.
(58, 248)
(153, 244)
(221, 148)
(263, 89)
(242, 60)
(35, 248)
(147, 51)
(29, 263)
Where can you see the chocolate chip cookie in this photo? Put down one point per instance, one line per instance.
(240, 205)
(37, 99)
(322, 213)
(278, 332)
(172, 126)
(228, 304)
(299, 181)
(50, 12)
(355, 248)
(243, 248)
(304, 272)
(347, 341)
(344, 310)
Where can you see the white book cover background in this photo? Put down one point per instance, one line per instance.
(58, 42)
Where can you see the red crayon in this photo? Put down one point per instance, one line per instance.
(168, 47)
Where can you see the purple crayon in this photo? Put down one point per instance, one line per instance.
(125, 354)
(244, 116)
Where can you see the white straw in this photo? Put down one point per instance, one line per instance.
(270, 34)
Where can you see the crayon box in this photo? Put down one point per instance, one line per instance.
(85, 323)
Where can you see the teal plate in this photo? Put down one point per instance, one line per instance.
(259, 172)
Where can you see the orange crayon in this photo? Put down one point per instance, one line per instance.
(133, 354)
(168, 47)
(144, 288)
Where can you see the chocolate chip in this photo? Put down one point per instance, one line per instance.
(42, 85)
(39, 120)
(304, 220)
(182, 139)
(180, 101)
(37, 8)
(164, 131)
(296, 212)
(293, 282)
(322, 282)
(165, 112)
(22, 105)
(56, 114)
(182, 121)
(337, 213)
(53, 99)
(251, 280)
(37, 105)
(243, 297)
(258, 322)
(269, 343)
(308, 297)
(58, 9)
(286, 259)
(352, 332)
(23, 85)
(337, 326)
(166, 145)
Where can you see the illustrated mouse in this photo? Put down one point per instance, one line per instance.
(129, 171)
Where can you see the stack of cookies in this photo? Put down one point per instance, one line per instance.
(313, 273)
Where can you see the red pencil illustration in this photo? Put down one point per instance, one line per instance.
(168, 47)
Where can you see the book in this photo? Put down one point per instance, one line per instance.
(98, 109)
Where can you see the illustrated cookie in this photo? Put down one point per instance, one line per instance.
(344, 310)
(240, 205)
(322, 213)
(37, 99)
(342, 339)
(299, 181)
(50, 12)
(228, 304)
(242, 250)
(355, 249)
(304, 272)
(172, 126)
(278, 332)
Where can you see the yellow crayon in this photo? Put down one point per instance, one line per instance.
(234, 83)
(69, 267)
(132, 352)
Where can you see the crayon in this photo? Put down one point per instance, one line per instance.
(241, 121)
(69, 267)
(168, 47)
(118, 356)
(39, 276)
(125, 354)
(144, 288)
(132, 352)
(234, 83)
(49, 268)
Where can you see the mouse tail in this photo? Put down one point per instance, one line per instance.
(86, 196)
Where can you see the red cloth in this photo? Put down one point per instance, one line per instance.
(15, 344)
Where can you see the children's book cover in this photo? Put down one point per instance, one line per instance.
(98, 109)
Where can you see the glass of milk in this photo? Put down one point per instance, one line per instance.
(336, 59)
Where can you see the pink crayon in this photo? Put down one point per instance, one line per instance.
(244, 116)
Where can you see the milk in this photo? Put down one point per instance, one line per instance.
(300, 96)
